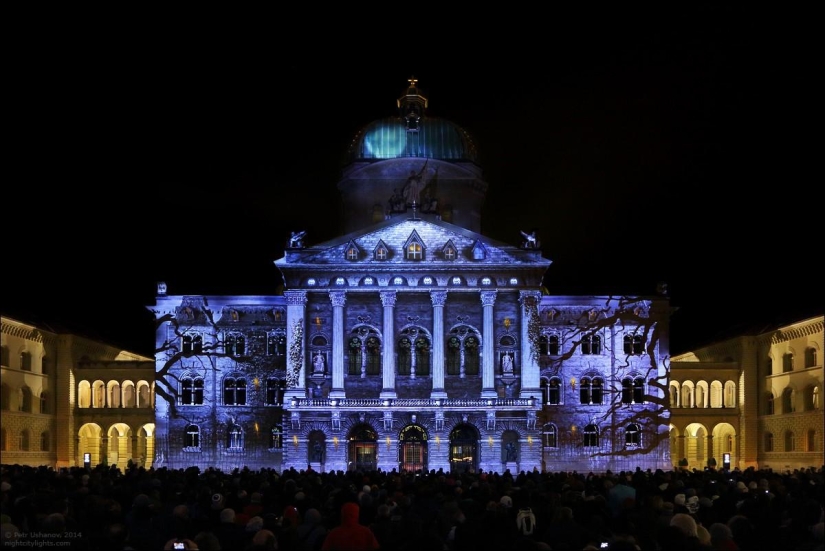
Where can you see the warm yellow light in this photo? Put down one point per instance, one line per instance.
(335, 441)
(507, 323)
(530, 441)
(573, 383)
(295, 441)
(257, 429)
(490, 441)
(388, 442)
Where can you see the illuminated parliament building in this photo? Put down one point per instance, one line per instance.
(412, 342)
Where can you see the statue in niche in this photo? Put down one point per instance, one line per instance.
(510, 449)
(507, 363)
(317, 452)
(318, 363)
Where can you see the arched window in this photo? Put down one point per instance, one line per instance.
(192, 437)
(235, 345)
(24, 440)
(45, 441)
(790, 444)
(471, 359)
(404, 356)
(453, 356)
(638, 390)
(627, 390)
(591, 436)
(597, 391)
(591, 344)
(26, 361)
(234, 392)
(550, 436)
(273, 387)
(276, 346)
(730, 394)
(810, 357)
(554, 391)
(422, 356)
(373, 346)
(191, 391)
(810, 440)
(816, 399)
(633, 345)
(769, 403)
(44, 402)
(787, 401)
(768, 442)
(715, 394)
(355, 356)
(25, 400)
(632, 436)
(192, 343)
(584, 390)
(787, 363)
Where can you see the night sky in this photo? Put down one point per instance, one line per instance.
(641, 153)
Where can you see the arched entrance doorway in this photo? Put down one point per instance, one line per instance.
(413, 449)
(363, 448)
(463, 448)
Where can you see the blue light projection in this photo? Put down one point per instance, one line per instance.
(436, 138)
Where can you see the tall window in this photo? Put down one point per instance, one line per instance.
(276, 438)
(45, 441)
(422, 356)
(638, 390)
(550, 436)
(787, 363)
(627, 390)
(276, 346)
(192, 437)
(272, 388)
(584, 390)
(471, 360)
(453, 356)
(769, 404)
(554, 391)
(191, 391)
(768, 442)
(192, 344)
(810, 357)
(44, 402)
(235, 345)
(26, 361)
(355, 356)
(373, 346)
(404, 356)
(633, 345)
(632, 436)
(591, 344)
(810, 441)
(25, 401)
(234, 438)
(597, 390)
(789, 441)
(591, 436)
(24, 440)
(234, 392)
(787, 401)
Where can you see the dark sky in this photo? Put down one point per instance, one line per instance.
(641, 152)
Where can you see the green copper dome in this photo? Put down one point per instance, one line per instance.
(433, 138)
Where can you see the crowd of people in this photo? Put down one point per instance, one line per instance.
(151, 509)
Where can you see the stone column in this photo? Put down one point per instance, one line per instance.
(488, 389)
(295, 330)
(438, 298)
(530, 372)
(338, 298)
(388, 299)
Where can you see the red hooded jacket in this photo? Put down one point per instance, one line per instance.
(349, 535)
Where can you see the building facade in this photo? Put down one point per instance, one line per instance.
(412, 342)
(757, 398)
(64, 396)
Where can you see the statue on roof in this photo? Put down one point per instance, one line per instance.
(414, 185)
(296, 239)
(531, 241)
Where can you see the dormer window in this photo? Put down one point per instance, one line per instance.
(414, 247)
(352, 253)
(479, 252)
(380, 252)
(449, 254)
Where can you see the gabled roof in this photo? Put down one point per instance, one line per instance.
(395, 234)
